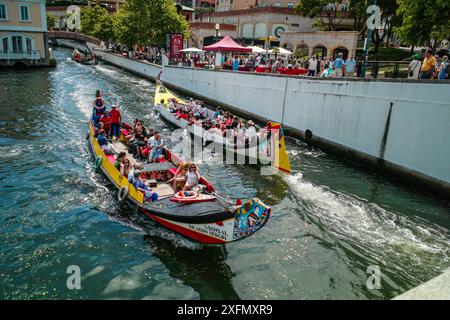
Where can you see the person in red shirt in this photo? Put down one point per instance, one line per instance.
(106, 123)
(115, 121)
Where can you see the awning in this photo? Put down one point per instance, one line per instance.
(192, 50)
(280, 51)
(227, 45)
(256, 49)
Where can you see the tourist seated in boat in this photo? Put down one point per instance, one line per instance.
(103, 142)
(181, 114)
(157, 147)
(99, 104)
(192, 106)
(106, 120)
(201, 112)
(133, 169)
(171, 105)
(125, 167)
(119, 160)
(179, 179)
(216, 130)
(217, 113)
(140, 185)
(192, 178)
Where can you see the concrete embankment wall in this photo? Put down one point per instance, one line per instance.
(144, 69)
(401, 126)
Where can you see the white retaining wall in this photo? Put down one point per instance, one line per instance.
(348, 113)
(148, 70)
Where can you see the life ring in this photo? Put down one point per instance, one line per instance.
(98, 162)
(122, 193)
(181, 195)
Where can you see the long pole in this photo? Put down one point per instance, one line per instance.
(366, 49)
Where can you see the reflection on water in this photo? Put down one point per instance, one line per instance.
(205, 269)
(329, 221)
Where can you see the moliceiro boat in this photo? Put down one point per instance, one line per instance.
(267, 147)
(83, 58)
(201, 215)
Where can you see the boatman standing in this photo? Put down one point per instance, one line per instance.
(115, 122)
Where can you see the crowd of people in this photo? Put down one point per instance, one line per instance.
(144, 144)
(429, 66)
(217, 123)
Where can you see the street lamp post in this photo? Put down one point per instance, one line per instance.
(217, 32)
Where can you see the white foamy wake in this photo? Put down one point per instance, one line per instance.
(385, 234)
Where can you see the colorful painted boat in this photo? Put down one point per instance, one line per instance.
(270, 151)
(82, 58)
(214, 221)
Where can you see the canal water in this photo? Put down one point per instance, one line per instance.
(330, 221)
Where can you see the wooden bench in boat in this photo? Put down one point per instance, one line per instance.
(157, 166)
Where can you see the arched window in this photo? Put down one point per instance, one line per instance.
(17, 44)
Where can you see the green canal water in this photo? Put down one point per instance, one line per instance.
(330, 221)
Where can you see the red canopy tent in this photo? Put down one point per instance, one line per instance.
(227, 45)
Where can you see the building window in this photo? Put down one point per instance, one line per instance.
(5, 45)
(24, 13)
(29, 46)
(3, 11)
(290, 5)
(17, 44)
(277, 4)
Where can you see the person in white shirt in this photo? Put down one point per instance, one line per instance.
(258, 60)
(414, 67)
(249, 132)
(312, 66)
(172, 106)
(192, 178)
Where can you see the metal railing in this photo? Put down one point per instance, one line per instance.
(387, 69)
(20, 55)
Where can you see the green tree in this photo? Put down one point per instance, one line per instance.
(97, 22)
(51, 20)
(357, 10)
(146, 22)
(389, 20)
(424, 22)
(325, 10)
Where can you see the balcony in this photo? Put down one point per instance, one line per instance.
(20, 55)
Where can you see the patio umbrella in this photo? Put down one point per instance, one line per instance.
(192, 50)
(281, 51)
(256, 49)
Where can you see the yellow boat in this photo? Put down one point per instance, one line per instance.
(201, 215)
(270, 150)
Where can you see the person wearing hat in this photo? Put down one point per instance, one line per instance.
(414, 67)
(116, 119)
(99, 103)
(428, 65)
(249, 132)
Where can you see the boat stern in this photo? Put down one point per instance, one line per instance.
(249, 218)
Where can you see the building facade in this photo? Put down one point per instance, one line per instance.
(256, 24)
(23, 32)
(228, 5)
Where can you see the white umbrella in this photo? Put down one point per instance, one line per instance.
(256, 49)
(281, 51)
(192, 50)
